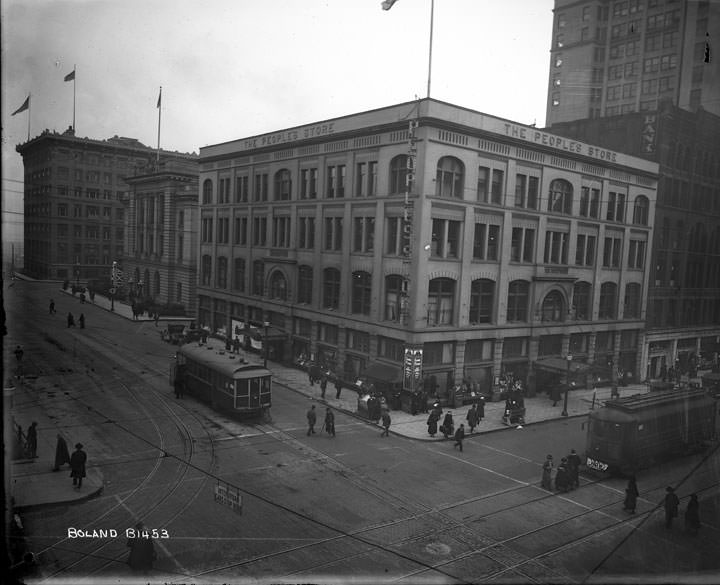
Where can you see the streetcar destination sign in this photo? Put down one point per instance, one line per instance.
(594, 464)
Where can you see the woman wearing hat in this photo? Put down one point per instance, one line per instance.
(77, 465)
(547, 473)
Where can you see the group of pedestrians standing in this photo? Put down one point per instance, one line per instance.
(328, 424)
(671, 506)
(567, 475)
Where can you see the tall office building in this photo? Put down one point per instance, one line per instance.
(616, 57)
(427, 243)
(74, 209)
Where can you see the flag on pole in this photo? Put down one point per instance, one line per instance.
(25, 106)
(70, 76)
(388, 4)
(159, 98)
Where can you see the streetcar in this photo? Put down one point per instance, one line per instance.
(224, 380)
(634, 432)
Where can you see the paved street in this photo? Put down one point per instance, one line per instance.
(404, 508)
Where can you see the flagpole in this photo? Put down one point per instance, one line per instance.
(29, 111)
(74, 82)
(432, 12)
(157, 158)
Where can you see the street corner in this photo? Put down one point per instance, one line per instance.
(53, 488)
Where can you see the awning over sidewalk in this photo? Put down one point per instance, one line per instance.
(383, 372)
(273, 333)
(559, 365)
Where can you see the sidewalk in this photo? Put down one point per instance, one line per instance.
(34, 483)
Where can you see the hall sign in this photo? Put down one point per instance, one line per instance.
(559, 142)
(412, 368)
(290, 135)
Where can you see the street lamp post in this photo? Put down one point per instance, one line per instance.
(567, 386)
(266, 324)
(112, 286)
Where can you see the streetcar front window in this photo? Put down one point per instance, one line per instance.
(608, 430)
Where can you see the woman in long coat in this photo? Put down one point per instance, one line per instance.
(562, 476)
(432, 423)
(472, 418)
(692, 515)
(142, 550)
(62, 454)
(448, 426)
(77, 465)
(547, 473)
(631, 495)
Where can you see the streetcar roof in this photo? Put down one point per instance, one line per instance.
(639, 402)
(216, 358)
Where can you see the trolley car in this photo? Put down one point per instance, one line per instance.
(634, 432)
(223, 379)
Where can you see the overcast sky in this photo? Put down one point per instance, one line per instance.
(235, 68)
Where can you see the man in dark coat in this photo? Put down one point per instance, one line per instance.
(330, 422)
(432, 423)
(472, 418)
(338, 387)
(555, 394)
(32, 440)
(561, 477)
(386, 423)
(142, 550)
(692, 515)
(631, 495)
(82, 320)
(448, 426)
(70, 320)
(459, 436)
(312, 419)
(323, 386)
(574, 468)
(77, 465)
(671, 506)
(481, 408)
(62, 454)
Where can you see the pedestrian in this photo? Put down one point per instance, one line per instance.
(133, 307)
(62, 454)
(338, 387)
(459, 436)
(323, 386)
(448, 427)
(82, 320)
(631, 495)
(52, 307)
(329, 422)
(70, 320)
(313, 373)
(692, 515)
(311, 418)
(236, 345)
(574, 469)
(386, 423)
(432, 423)
(77, 465)
(561, 476)
(481, 409)
(547, 473)
(179, 386)
(671, 506)
(32, 440)
(142, 550)
(472, 418)
(555, 394)
(19, 354)
(157, 318)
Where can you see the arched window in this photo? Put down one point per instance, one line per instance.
(449, 179)
(640, 210)
(331, 288)
(608, 301)
(553, 307)
(221, 273)
(560, 198)
(283, 185)
(361, 292)
(398, 174)
(518, 297)
(205, 270)
(632, 301)
(582, 301)
(441, 300)
(305, 284)
(278, 286)
(482, 301)
(393, 297)
(207, 191)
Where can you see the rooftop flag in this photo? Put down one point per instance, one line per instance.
(25, 106)
(159, 98)
(70, 76)
(388, 4)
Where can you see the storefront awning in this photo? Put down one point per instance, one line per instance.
(560, 365)
(383, 372)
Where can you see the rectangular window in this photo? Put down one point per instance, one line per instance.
(259, 231)
(281, 232)
(223, 230)
(238, 279)
(363, 234)
(636, 254)
(357, 340)
(486, 241)
(497, 186)
(589, 202)
(391, 349)
(520, 188)
(240, 231)
(556, 247)
(333, 233)
(308, 183)
(335, 182)
(396, 238)
(306, 233)
(261, 187)
(241, 189)
(616, 206)
(483, 183)
(206, 229)
(445, 238)
(611, 253)
(585, 250)
(224, 190)
(522, 246)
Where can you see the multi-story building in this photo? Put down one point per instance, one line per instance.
(612, 57)
(684, 288)
(162, 220)
(489, 245)
(73, 210)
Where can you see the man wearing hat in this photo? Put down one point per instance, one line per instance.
(77, 465)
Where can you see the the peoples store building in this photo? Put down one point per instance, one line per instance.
(500, 255)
